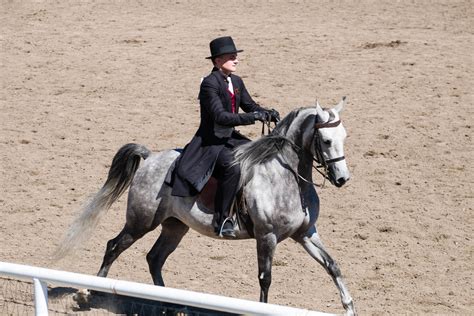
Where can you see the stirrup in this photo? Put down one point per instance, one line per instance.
(228, 219)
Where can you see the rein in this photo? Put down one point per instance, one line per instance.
(319, 160)
(269, 128)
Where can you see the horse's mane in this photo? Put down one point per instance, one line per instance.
(283, 126)
(264, 148)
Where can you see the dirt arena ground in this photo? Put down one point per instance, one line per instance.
(80, 79)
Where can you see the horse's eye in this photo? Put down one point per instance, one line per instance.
(327, 142)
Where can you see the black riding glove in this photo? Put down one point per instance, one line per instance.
(261, 116)
(274, 115)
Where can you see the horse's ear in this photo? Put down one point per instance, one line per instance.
(341, 105)
(323, 115)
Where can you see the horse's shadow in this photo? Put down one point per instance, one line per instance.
(73, 300)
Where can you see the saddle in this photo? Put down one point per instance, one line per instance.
(238, 212)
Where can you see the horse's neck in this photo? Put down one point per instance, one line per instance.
(302, 160)
(298, 160)
(305, 164)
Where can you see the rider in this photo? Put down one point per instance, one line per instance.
(210, 151)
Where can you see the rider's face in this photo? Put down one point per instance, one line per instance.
(227, 63)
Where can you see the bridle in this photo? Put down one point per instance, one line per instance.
(324, 163)
(318, 158)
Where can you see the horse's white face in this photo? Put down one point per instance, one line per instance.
(331, 143)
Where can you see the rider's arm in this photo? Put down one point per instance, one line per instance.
(211, 102)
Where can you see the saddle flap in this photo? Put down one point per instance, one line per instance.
(208, 194)
(238, 211)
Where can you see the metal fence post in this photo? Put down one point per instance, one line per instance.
(41, 298)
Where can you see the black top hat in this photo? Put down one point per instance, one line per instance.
(221, 46)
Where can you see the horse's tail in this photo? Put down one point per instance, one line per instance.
(124, 166)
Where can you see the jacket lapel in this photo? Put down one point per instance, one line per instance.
(225, 97)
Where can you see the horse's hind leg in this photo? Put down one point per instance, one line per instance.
(116, 246)
(313, 245)
(172, 232)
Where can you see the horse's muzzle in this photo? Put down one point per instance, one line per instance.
(338, 174)
(340, 182)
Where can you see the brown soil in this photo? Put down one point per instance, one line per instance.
(80, 79)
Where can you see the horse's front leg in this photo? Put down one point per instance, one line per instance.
(266, 245)
(314, 246)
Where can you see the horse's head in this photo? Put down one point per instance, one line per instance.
(328, 143)
(311, 132)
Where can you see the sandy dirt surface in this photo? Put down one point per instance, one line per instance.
(79, 80)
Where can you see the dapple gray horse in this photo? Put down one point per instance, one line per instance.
(276, 190)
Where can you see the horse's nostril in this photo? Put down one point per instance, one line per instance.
(341, 182)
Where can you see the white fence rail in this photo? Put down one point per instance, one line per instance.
(42, 276)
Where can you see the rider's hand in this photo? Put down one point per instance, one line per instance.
(261, 116)
(274, 115)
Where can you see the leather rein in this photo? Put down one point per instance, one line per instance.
(319, 159)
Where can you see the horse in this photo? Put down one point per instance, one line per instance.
(276, 189)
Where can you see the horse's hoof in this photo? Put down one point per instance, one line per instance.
(82, 297)
(350, 309)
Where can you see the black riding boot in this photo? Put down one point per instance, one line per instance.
(227, 229)
(228, 180)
